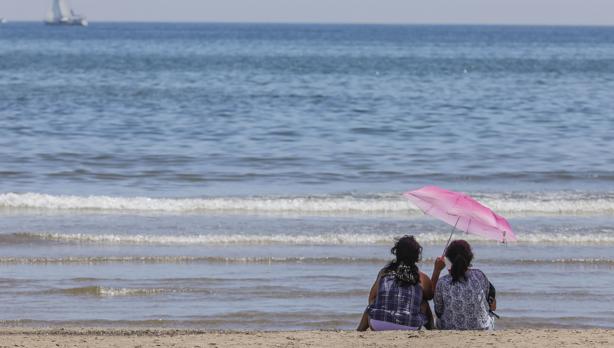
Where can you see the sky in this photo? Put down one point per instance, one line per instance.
(541, 12)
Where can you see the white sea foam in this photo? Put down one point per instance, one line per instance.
(216, 239)
(117, 292)
(270, 260)
(305, 204)
(527, 204)
(600, 238)
(187, 259)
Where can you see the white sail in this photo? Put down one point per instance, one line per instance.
(56, 13)
(64, 9)
(50, 16)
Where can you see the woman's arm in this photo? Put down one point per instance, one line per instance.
(364, 320)
(491, 295)
(374, 289)
(438, 302)
(493, 304)
(427, 287)
(440, 264)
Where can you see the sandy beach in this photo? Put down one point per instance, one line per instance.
(191, 338)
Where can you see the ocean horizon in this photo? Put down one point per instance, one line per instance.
(340, 23)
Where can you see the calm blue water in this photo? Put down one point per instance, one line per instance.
(186, 110)
(249, 176)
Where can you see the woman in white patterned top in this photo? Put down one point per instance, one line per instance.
(462, 296)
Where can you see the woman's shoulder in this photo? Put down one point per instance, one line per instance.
(477, 272)
(385, 270)
(444, 280)
(425, 279)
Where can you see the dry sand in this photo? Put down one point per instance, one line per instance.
(188, 338)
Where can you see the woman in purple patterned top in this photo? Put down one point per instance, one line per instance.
(398, 298)
(462, 296)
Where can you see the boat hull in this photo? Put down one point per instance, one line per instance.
(76, 22)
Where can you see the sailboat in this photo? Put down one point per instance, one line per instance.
(2, 20)
(60, 13)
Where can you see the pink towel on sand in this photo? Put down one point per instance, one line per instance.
(378, 325)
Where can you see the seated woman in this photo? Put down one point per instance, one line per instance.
(462, 296)
(398, 298)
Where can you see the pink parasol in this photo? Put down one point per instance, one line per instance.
(462, 212)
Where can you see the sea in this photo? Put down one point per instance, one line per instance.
(250, 176)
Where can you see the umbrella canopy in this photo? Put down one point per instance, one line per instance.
(462, 212)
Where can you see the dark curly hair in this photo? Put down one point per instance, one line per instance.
(460, 254)
(408, 252)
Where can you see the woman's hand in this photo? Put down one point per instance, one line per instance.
(440, 263)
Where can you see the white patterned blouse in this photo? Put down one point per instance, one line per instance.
(463, 305)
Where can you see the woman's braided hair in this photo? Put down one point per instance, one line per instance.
(408, 252)
(460, 254)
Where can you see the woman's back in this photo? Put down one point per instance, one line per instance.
(398, 303)
(463, 304)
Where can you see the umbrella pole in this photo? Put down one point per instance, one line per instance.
(451, 233)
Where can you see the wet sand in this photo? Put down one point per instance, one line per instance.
(141, 338)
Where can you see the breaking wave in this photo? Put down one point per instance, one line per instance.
(101, 291)
(596, 237)
(275, 260)
(517, 204)
(186, 259)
